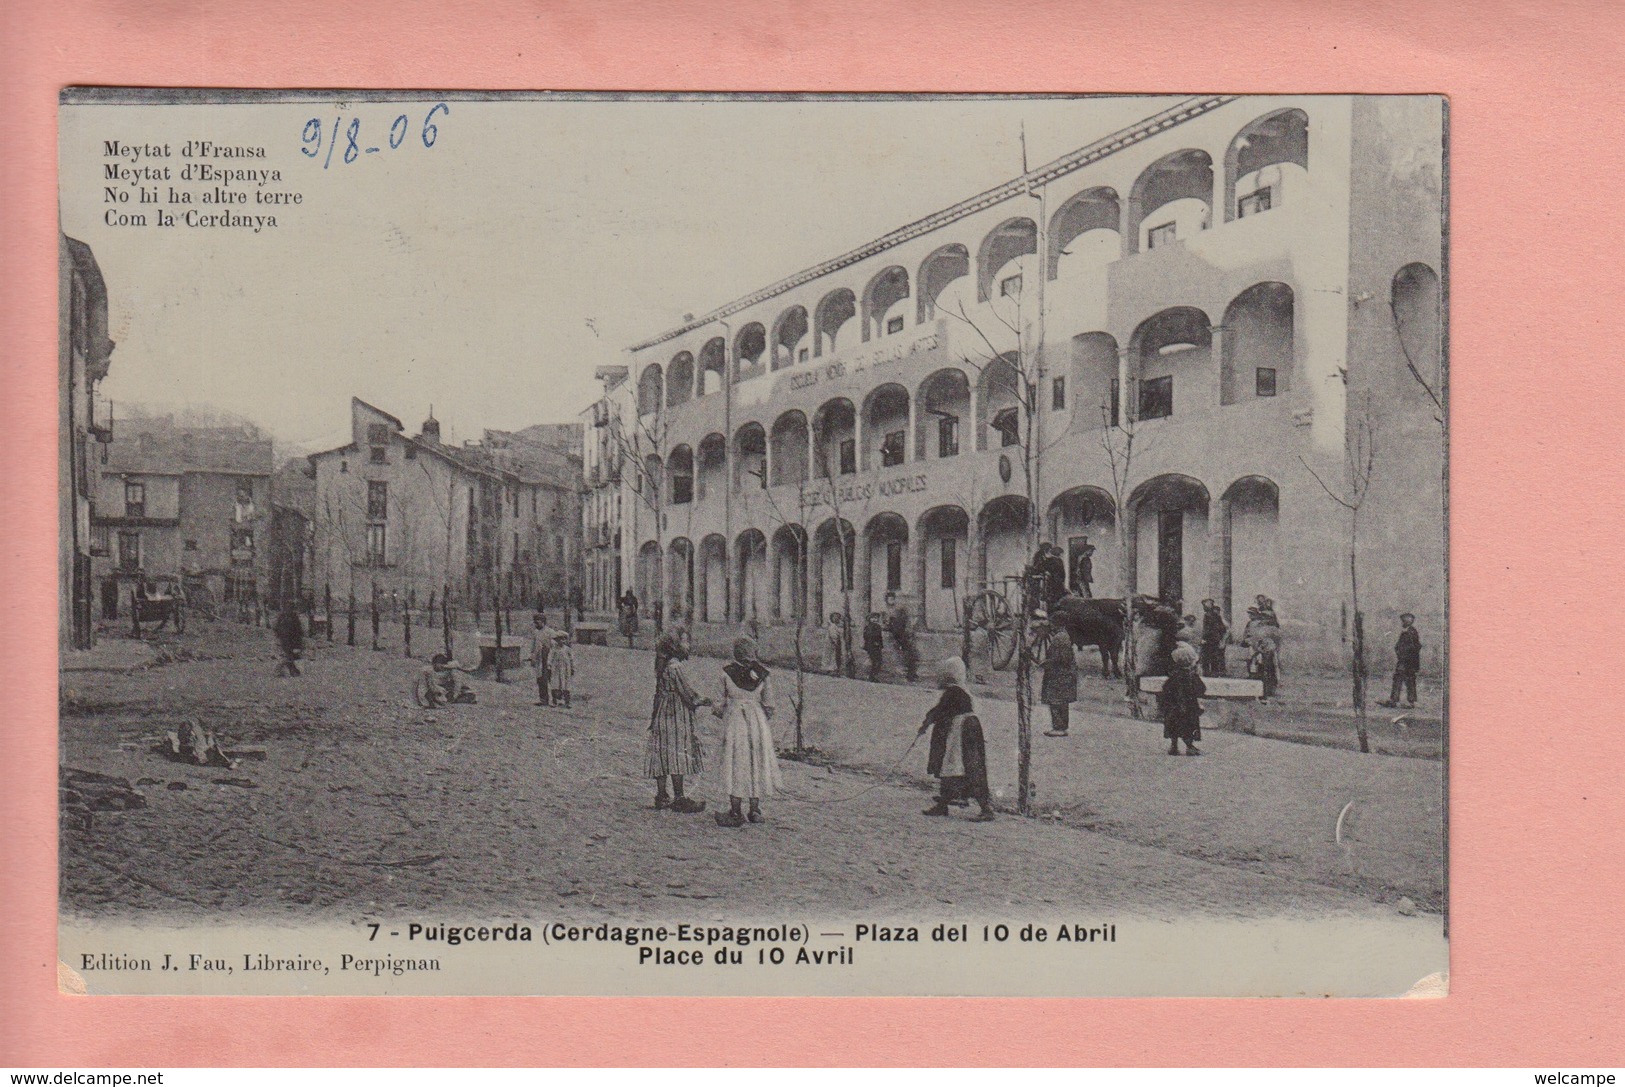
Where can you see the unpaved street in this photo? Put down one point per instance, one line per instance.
(365, 804)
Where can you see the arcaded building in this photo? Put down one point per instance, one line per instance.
(1250, 286)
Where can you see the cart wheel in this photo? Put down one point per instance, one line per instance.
(988, 613)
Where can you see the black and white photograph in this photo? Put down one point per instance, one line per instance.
(623, 544)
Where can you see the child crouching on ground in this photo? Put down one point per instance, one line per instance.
(561, 665)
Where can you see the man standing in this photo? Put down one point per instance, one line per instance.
(290, 637)
(1054, 570)
(541, 651)
(1407, 662)
(1083, 569)
(1214, 629)
(629, 617)
(902, 633)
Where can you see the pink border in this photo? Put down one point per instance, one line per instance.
(1537, 943)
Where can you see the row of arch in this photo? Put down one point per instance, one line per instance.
(1172, 198)
(948, 412)
(1179, 543)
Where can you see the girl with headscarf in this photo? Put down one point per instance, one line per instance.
(1180, 700)
(674, 745)
(750, 766)
(958, 758)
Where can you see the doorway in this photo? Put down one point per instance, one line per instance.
(1171, 555)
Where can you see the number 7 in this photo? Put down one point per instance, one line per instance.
(374, 926)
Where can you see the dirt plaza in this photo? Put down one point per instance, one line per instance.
(349, 801)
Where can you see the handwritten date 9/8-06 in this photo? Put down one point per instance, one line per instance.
(319, 135)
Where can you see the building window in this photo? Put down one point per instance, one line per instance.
(1264, 382)
(1116, 393)
(1010, 287)
(411, 452)
(135, 500)
(189, 545)
(948, 436)
(1007, 422)
(377, 545)
(1253, 203)
(894, 566)
(1165, 234)
(801, 356)
(950, 562)
(100, 540)
(378, 456)
(377, 501)
(1057, 394)
(129, 550)
(1157, 398)
(894, 326)
(516, 545)
(245, 492)
(378, 439)
(891, 450)
(849, 456)
(682, 490)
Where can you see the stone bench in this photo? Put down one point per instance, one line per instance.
(1236, 698)
(592, 633)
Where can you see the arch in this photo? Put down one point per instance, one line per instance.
(680, 476)
(944, 535)
(679, 379)
(1180, 175)
(750, 576)
(1002, 527)
(888, 289)
(885, 426)
(679, 580)
(654, 478)
(944, 414)
(712, 357)
(1082, 522)
(835, 448)
(749, 346)
(1095, 379)
(834, 310)
(789, 554)
(1012, 238)
(1257, 354)
(750, 456)
(1414, 304)
(650, 584)
(884, 556)
(1280, 138)
(651, 389)
(790, 452)
(789, 332)
(1169, 537)
(1170, 344)
(711, 466)
(942, 267)
(834, 543)
(998, 405)
(712, 595)
(1250, 511)
(1091, 209)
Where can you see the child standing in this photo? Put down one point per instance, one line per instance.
(674, 746)
(561, 668)
(750, 766)
(874, 644)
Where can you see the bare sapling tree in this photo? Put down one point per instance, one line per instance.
(647, 441)
(1359, 468)
(798, 537)
(1005, 354)
(1120, 442)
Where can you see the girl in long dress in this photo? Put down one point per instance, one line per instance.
(750, 766)
(674, 745)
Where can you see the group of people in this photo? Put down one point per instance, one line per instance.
(552, 661)
(742, 697)
(894, 621)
